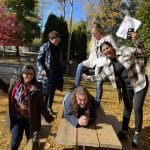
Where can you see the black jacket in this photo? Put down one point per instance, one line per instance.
(50, 59)
(36, 107)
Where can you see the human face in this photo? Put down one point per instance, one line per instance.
(54, 40)
(28, 76)
(96, 33)
(108, 51)
(81, 100)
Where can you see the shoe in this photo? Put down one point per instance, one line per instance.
(36, 141)
(122, 135)
(136, 140)
(52, 113)
(97, 105)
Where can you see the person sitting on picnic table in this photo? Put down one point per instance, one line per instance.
(80, 107)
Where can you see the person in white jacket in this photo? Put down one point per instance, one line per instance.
(98, 37)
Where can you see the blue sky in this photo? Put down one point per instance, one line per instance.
(79, 12)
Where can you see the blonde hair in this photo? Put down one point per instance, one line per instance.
(98, 27)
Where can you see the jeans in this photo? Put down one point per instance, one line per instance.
(19, 125)
(99, 90)
(139, 97)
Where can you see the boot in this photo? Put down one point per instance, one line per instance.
(36, 141)
(136, 140)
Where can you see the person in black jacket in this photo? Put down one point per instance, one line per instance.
(50, 68)
(25, 108)
(80, 107)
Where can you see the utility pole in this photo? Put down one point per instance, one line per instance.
(70, 34)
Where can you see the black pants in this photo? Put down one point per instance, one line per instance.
(139, 97)
(48, 99)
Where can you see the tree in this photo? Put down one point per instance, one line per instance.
(26, 14)
(104, 11)
(60, 25)
(144, 31)
(9, 28)
(62, 7)
(79, 43)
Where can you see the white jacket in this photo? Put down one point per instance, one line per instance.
(95, 51)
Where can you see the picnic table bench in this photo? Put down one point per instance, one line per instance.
(44, 133)
(101, 134)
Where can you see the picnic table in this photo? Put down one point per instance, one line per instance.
(101, 134)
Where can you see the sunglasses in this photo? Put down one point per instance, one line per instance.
(54, 37)
(29, 73)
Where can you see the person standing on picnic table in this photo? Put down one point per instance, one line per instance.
(26, 106)
(127, 75)
(80, 108)
(50, 69)
(97, 38)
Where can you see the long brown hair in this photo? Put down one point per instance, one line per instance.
(83, 91)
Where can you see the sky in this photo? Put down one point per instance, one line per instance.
(79, 12)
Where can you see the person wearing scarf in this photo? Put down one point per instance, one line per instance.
(26, 106)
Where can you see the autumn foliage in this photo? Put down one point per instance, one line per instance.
(9, 28)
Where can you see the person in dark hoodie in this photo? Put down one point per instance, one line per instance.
(26, 106)
(50, 68)
(80, 107)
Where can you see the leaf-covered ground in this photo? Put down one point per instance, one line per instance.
(109, 103)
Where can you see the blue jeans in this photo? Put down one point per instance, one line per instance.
(99, 90)
(19, 125)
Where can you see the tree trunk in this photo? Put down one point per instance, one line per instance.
(70, 34)
(4, 51)
(17, 51)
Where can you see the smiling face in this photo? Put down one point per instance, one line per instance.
(28, 76)
(108, 51)
(82, 100)
(96, 33)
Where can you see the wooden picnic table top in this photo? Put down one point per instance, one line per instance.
(99, 134)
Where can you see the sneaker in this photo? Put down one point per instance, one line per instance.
(136, 140)
(52, 113)
(123, 135)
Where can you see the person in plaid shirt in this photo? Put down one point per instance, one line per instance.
(127, 75)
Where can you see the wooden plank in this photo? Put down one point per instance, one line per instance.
(107, 136)
(108, 119)
(66, 133)
(44, 133)
(87, 136)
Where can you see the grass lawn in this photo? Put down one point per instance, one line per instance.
(109, 103)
